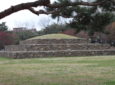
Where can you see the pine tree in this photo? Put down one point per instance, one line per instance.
(89, 18)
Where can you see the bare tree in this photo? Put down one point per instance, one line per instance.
(24, 24)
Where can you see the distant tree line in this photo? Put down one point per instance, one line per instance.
(53, 28)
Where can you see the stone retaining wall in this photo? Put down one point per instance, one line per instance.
(48, 47)
(36, 54)
(54, 41)
(56, 48)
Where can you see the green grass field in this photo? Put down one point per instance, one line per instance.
(54, 36)
(98, 70)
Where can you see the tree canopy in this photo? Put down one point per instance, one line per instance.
(58, 6)
(88, 17)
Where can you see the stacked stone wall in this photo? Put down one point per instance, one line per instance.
(54, 41)
(49, 47)
(56, 48)
(42, 54)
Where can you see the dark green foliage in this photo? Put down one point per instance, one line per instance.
(100, 20)
(109, 5)
(3, 27)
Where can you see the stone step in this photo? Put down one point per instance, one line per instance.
(54, 41)
(49, 47)
(61, 53)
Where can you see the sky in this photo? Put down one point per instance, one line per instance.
(25, 18)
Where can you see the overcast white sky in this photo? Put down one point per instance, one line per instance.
(25, 17)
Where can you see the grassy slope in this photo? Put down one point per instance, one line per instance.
(58, 71)
(54, 36)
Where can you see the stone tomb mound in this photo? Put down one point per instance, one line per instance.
(35, 48)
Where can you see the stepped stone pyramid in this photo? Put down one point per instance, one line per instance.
(36, 48)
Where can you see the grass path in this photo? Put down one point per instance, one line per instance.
(98, 70)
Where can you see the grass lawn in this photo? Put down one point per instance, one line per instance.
(98, 70)
(54, 36)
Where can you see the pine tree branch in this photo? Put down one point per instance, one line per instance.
(37, 3)
(23, 6)
(57, 12)
(75, 4)
(43, 12)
